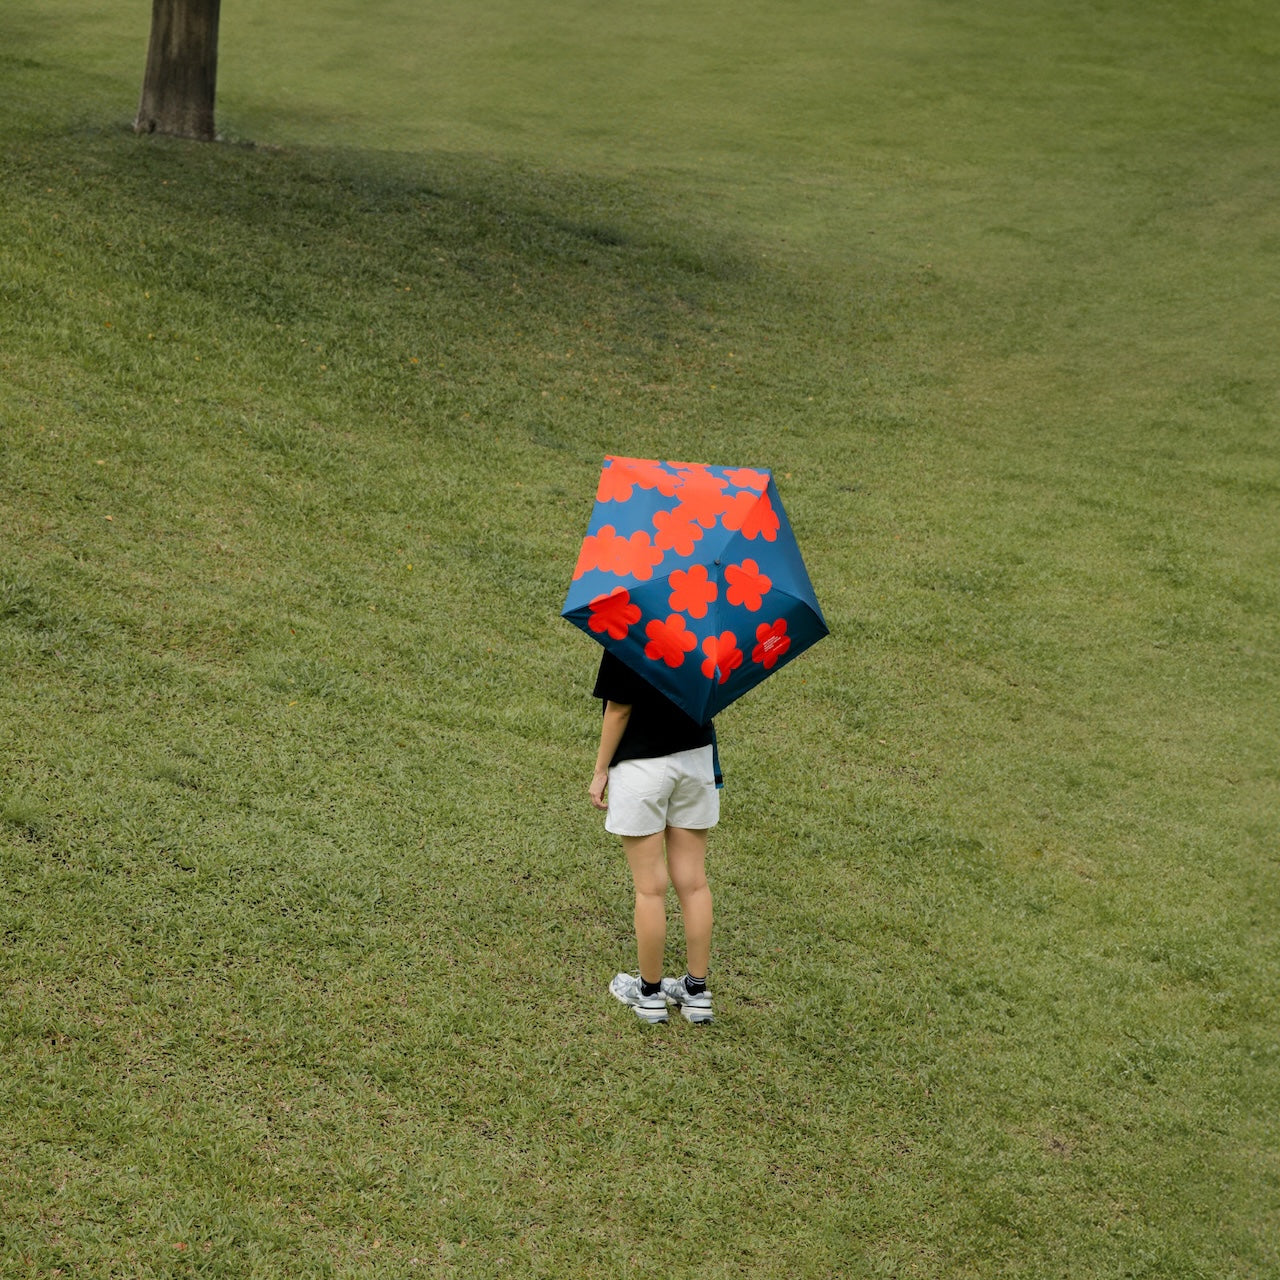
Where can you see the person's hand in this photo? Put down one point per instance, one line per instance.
(599, 781)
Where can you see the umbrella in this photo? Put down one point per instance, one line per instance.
(691, 575)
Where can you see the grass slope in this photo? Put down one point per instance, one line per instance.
(305, 920)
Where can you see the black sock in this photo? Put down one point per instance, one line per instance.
(650, 988)
(694, 986)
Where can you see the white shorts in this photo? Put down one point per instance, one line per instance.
(648, 796)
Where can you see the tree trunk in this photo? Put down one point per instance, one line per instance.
(182, 70)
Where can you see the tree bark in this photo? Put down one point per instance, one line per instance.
(182, 70)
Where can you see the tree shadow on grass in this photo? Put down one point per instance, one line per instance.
(486, 275)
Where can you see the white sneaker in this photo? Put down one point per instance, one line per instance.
(626, 987)
(695, 1009)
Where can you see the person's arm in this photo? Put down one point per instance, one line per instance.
(616, 715)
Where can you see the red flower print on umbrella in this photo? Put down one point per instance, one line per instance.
(745, 478)
(597, 551)
(747, 585)
(691, 591)
(636, 556)
(669, 641)
(754, 515)
(621, 475)
(676, 532)
(614, 614)
(702, 496)
(723, 656)
(772, 642)
(685, 558)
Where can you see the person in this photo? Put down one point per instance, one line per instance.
(655, 777)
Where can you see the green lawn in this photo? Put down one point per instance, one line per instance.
(306, 920)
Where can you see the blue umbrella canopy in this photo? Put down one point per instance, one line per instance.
(692, 576)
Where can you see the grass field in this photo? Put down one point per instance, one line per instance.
(306, 920)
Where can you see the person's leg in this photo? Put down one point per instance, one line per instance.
(649, 875)
(687, 862)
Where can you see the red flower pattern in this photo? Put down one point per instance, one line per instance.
(747, 585)
(616, 483)
(702, 496)
(669, 641)
(676, 532)
(635, 556)
(623, 474)
(723, 656)
(753, 513)
(772, 642)
(745, 478)
(614, 614)
(598, 551)
(691, 592)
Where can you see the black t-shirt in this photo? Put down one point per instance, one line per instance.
(657, 727)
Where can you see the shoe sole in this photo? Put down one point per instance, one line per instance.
(691, 1008)
(650, 1014)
